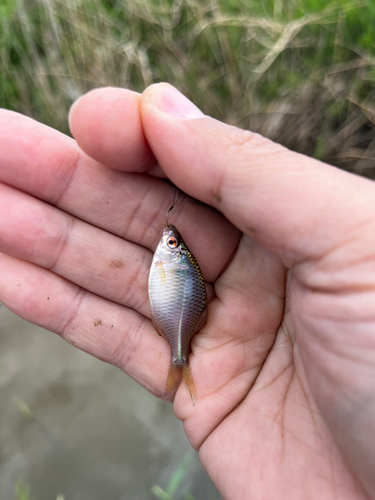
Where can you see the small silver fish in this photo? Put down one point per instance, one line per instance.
(178, 303)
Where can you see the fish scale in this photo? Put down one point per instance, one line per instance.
(178, 302)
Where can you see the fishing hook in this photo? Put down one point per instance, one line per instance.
(171, 207)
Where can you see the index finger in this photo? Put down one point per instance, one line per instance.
(106, 124)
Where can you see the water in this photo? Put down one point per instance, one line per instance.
(73, 425)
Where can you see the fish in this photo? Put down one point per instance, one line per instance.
(178, 301)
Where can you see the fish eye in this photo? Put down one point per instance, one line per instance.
(172, 242)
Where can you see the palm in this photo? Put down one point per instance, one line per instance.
(263, 423)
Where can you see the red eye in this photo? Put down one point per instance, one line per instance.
(172, 242)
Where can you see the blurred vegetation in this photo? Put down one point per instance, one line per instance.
(174, 484)
(23, 492)
(301, 72)
(174, 487)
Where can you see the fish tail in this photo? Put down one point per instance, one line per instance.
(189, 382)
(173, 380)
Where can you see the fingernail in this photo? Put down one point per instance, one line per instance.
(172, 102)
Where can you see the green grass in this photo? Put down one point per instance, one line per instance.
(301, 72)
(175, 484)
(22, 491)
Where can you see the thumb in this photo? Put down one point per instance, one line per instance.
(296, 206)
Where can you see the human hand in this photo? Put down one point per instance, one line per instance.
(264, 363)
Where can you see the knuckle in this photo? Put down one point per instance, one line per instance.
(244, 143)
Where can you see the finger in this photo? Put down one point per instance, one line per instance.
(49, 165)
(115, 334)
(86, 255)
(107, 127)
(294, 205)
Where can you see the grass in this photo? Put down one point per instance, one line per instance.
(301, 72)
(22, 491)
(298, 71)
(174, 486)
(175, 483)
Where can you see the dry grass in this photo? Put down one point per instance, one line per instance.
(298, 72)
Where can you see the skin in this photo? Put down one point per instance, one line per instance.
(285, 365)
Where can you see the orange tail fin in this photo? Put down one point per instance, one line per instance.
(189, 382)
(173, 380)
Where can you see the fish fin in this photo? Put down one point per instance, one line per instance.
(189, 382)
(173, 380)
(156, 328)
